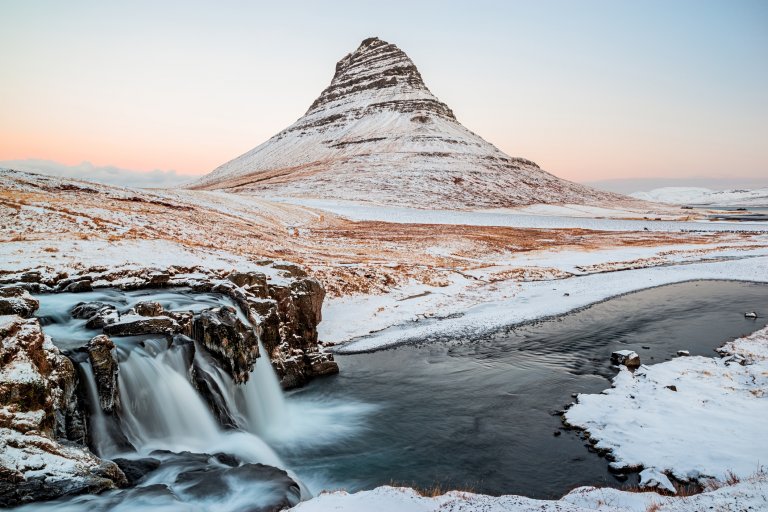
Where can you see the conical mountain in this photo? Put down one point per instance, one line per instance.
(378, 134)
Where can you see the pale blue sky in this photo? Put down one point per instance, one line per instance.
(590, 89)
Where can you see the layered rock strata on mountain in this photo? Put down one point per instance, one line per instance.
(37, 386)
(377, 133)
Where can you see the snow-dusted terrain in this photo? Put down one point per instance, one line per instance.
(705, 197)
(378, 134)
(553, 217)
(747, 495)
(693, 417)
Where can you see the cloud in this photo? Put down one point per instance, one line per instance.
(106, 174)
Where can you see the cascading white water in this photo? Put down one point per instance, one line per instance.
(160, 408)
(263, 398)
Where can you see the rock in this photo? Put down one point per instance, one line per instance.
(652, 478)
(79, 286)
(683, 353)
(37, 387)
(232, 343)
(98, 314)
(627, 358)
(291, 270)
(255, 281)
(157, 278)
(15, 300)
(133, 325)
(281, 490)
(148, 308)
(105, 371)
(136, 469)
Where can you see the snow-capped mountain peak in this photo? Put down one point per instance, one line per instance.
(378, 134)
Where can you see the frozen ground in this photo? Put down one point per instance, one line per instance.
(750, 494)
(693, 417)
(542, 216)
(465, 307)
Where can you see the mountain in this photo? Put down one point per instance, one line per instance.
(706, 197)
(377, 133)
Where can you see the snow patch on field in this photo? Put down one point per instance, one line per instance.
(540, 217)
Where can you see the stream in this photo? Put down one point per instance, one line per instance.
(479, 415)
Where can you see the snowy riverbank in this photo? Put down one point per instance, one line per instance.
(465, 307)
(694, 418)
(749, 494)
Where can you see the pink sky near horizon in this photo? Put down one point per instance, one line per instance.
(592, 91)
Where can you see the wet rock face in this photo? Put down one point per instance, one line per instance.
(627, 358)
(232, 343)
(105, 371)
(15, 300)
(133, 325)
(98, 314)
(148, 308)
(37, 387)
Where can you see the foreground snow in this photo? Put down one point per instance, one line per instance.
(693, 417)
(751, 494)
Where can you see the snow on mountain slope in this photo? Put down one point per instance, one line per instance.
(378, 134)
(705, 196)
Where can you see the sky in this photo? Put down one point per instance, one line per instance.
(592, 90)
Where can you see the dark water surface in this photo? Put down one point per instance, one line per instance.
(479, 415)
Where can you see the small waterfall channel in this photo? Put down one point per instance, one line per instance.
(164, 420)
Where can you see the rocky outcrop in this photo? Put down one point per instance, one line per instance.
(134, 325)
(628, 358)
(97, 314)
(148, 308)
(285, 310)
(232, 343)
(105, 371)
(15, 300)
(287, 314)
(36, 395)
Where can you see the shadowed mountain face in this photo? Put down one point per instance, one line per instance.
(377, 133)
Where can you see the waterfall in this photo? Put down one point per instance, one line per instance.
(160, 408)
(264, 401)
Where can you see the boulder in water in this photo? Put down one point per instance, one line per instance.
(133, 325)
(98, 314)
(231, 342)
(105, 370)
(148, 308)
(136, 469)
(628, 358)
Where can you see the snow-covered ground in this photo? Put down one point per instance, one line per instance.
(750, 494)
(468, 306)
(544, 216)
(705, 196)
(692, 417)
